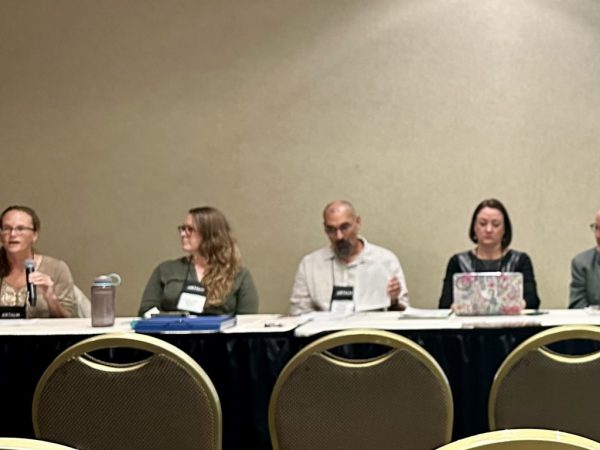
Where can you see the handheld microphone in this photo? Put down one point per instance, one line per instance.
(31, 290)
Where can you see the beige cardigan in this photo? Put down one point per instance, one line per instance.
(63, 287)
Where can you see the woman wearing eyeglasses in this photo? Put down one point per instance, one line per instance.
(585, 273)
(19, 230)
(209, 279)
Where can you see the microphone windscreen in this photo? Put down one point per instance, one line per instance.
(29, 264)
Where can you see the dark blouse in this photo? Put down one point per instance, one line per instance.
(512, 261)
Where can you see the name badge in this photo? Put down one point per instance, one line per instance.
(342, 300)
(192, 298)
(13, 312)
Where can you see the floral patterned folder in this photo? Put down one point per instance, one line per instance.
(488, 293)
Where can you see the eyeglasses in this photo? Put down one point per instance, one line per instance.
(595, 228)
(18, 229)
(343, 228)
(185, 229)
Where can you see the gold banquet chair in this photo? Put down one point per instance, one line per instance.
(523, 439)
(29, 444)
(536, 387)
(398, 400)
(162, 401)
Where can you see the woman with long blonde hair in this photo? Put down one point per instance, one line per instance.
(210, 278)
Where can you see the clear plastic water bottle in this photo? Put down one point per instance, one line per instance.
(103, 299)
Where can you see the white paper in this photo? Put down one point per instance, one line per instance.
(370, 291)
(419, 313)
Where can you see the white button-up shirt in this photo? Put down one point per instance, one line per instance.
(368, 274)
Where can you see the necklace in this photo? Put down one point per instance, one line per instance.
(487, 265)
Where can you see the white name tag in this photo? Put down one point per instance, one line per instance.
(342, 306)
(191, 302)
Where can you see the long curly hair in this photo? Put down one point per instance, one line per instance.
(221, 251)
(5, 266)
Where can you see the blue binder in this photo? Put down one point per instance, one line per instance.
(185, 324)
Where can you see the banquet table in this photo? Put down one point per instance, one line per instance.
(244, 361)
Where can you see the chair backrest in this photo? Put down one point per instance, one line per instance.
(30, 444)
(536, 387)
(164, 400)
(397, 400)
(523, 439)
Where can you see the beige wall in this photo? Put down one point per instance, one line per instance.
(117, 116)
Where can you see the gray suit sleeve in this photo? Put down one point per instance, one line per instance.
(577, 289)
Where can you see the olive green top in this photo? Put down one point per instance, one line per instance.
(166, 282)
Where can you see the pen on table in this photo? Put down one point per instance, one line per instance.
(274, 323)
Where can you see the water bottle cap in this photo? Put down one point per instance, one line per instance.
(112, 279)
(103, 279)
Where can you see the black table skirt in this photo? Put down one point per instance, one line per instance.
(244, 368)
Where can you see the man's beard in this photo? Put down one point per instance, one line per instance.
(343, 248)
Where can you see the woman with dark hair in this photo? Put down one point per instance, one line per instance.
(210, 278)
(19, 230)
(491, 231)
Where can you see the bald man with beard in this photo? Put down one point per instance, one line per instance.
(350, 274)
